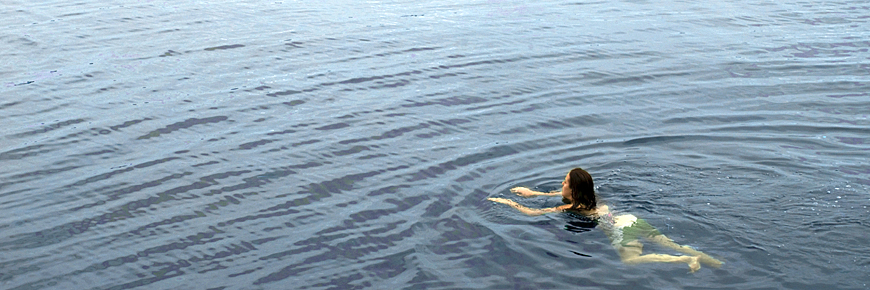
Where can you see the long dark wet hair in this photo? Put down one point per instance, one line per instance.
(582, 189)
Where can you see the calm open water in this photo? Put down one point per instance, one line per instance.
(353, 144)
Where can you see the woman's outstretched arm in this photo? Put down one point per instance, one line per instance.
(529, 211)
(525, 192)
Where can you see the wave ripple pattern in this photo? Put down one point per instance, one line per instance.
(352, 145)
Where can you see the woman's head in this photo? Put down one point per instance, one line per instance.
(579, 189)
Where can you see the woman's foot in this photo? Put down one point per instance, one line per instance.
(704, 258)
(693, 264)
(710, 261)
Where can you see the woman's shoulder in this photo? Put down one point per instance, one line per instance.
(602, 210)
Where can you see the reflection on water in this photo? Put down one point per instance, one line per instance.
(276, 145)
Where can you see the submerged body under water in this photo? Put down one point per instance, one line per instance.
(627, 232)
(347, 145)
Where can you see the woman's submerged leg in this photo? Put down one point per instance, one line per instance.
(632, 253)
(704, 258)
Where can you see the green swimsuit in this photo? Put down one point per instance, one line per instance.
(624, 235)
(640, 228)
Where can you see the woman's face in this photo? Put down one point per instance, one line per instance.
(566, 189)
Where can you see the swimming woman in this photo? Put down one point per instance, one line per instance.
(625, 231)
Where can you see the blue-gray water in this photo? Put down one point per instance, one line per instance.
(353, 144)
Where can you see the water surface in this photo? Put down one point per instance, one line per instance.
(347, 145)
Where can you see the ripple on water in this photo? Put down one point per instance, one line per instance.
(342, 146)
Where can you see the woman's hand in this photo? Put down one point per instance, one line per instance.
(503, 200)
(523, 191)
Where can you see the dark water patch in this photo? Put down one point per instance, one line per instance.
(23, 152)
(389, 134)
(368, 79)
(40, 173)
(333, 126)
(657, 140)
(108, 175)
(450, 101)
(348, 249)
(390, 85)
(306, 142)
(50, 127)
(173, 220)
(352, 150)
(183, 125)
(273, 214)
(782, 129)
(224, 47)
(811, 50)
(859, 95)
(715, 120)
(10, 104)
(252, 145)
(634, 80)
(294, 44)
(438, 76)
(434, 171)
(294, 103)
(126, 211)
(169, 53)
(488, 106)
(286, 93)
(372, 156)
(381, 55)
(281, 132)
(205, 164)
(318, 191)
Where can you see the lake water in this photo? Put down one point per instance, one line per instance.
(353, 144)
